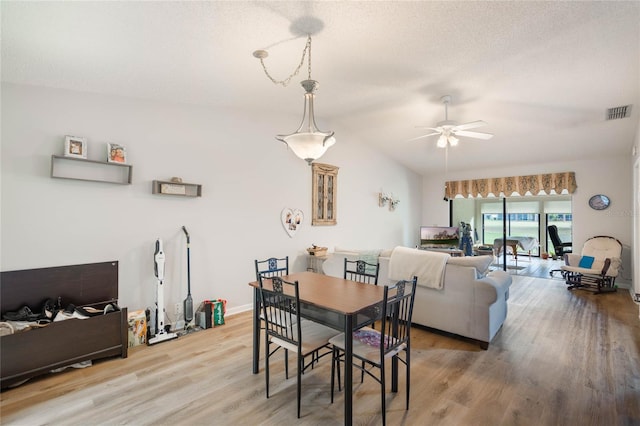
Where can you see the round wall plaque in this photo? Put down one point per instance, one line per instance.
(599, 202)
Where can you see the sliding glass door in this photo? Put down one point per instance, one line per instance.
(518, 224)
(526, 217)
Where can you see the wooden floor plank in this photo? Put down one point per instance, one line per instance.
(562, 357)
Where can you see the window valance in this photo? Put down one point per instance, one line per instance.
(513, 185)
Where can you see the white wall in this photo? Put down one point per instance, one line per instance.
(635, 212)
(248, 178)
(609, 176)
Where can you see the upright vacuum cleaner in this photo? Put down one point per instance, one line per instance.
(188, 302)
(161, 334)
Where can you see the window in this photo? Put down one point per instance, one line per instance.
(526, 216)
(518, 224)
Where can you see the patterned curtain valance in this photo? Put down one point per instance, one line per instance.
(508, 186)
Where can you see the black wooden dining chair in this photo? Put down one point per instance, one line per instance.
(373, 347)
(361, 271)
(272, 267)
(285, 328)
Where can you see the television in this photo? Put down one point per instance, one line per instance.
(439, 237)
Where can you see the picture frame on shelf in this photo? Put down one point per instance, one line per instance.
(116, 153)
(75, 146)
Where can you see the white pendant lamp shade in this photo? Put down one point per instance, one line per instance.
(308, 142)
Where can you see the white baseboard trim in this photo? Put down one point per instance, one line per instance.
(239, 309)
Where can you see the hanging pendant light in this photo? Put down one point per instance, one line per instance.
(307, 142)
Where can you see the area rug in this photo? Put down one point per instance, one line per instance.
(517, 268)
(512, 267)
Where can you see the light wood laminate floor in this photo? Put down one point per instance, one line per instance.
(562, 358)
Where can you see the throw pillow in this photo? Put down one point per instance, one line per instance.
(586, 262)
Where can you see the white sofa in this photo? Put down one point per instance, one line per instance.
(472, 302)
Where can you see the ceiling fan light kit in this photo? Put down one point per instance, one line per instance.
(449, 130)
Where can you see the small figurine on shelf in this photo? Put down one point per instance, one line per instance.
(466, 242)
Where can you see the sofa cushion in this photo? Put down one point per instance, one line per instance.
(369, 256)
(343, 251)
(481, 263)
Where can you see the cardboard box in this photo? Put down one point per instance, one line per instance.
(137, 328)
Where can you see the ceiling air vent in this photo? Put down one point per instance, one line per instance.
(619, 112)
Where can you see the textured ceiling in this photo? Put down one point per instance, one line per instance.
(541, 74)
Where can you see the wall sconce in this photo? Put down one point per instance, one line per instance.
(383, 199)
(392, 204)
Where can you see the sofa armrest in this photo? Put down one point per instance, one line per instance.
(493, 287)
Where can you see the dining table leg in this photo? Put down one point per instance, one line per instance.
(256, 330)
(348, 370)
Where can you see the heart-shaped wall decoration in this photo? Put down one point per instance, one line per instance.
(292, 220)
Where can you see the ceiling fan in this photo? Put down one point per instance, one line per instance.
(449, 129)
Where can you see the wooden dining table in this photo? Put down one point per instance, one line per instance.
(338, 303)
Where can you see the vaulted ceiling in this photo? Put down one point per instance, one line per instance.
(541, 74)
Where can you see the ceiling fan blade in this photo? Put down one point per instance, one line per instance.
(471, 125)
(477, 135)
(423, 136)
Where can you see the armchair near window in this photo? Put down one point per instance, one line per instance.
(559, 247)
(597, 267)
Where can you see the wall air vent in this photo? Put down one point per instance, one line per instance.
(619, 112)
